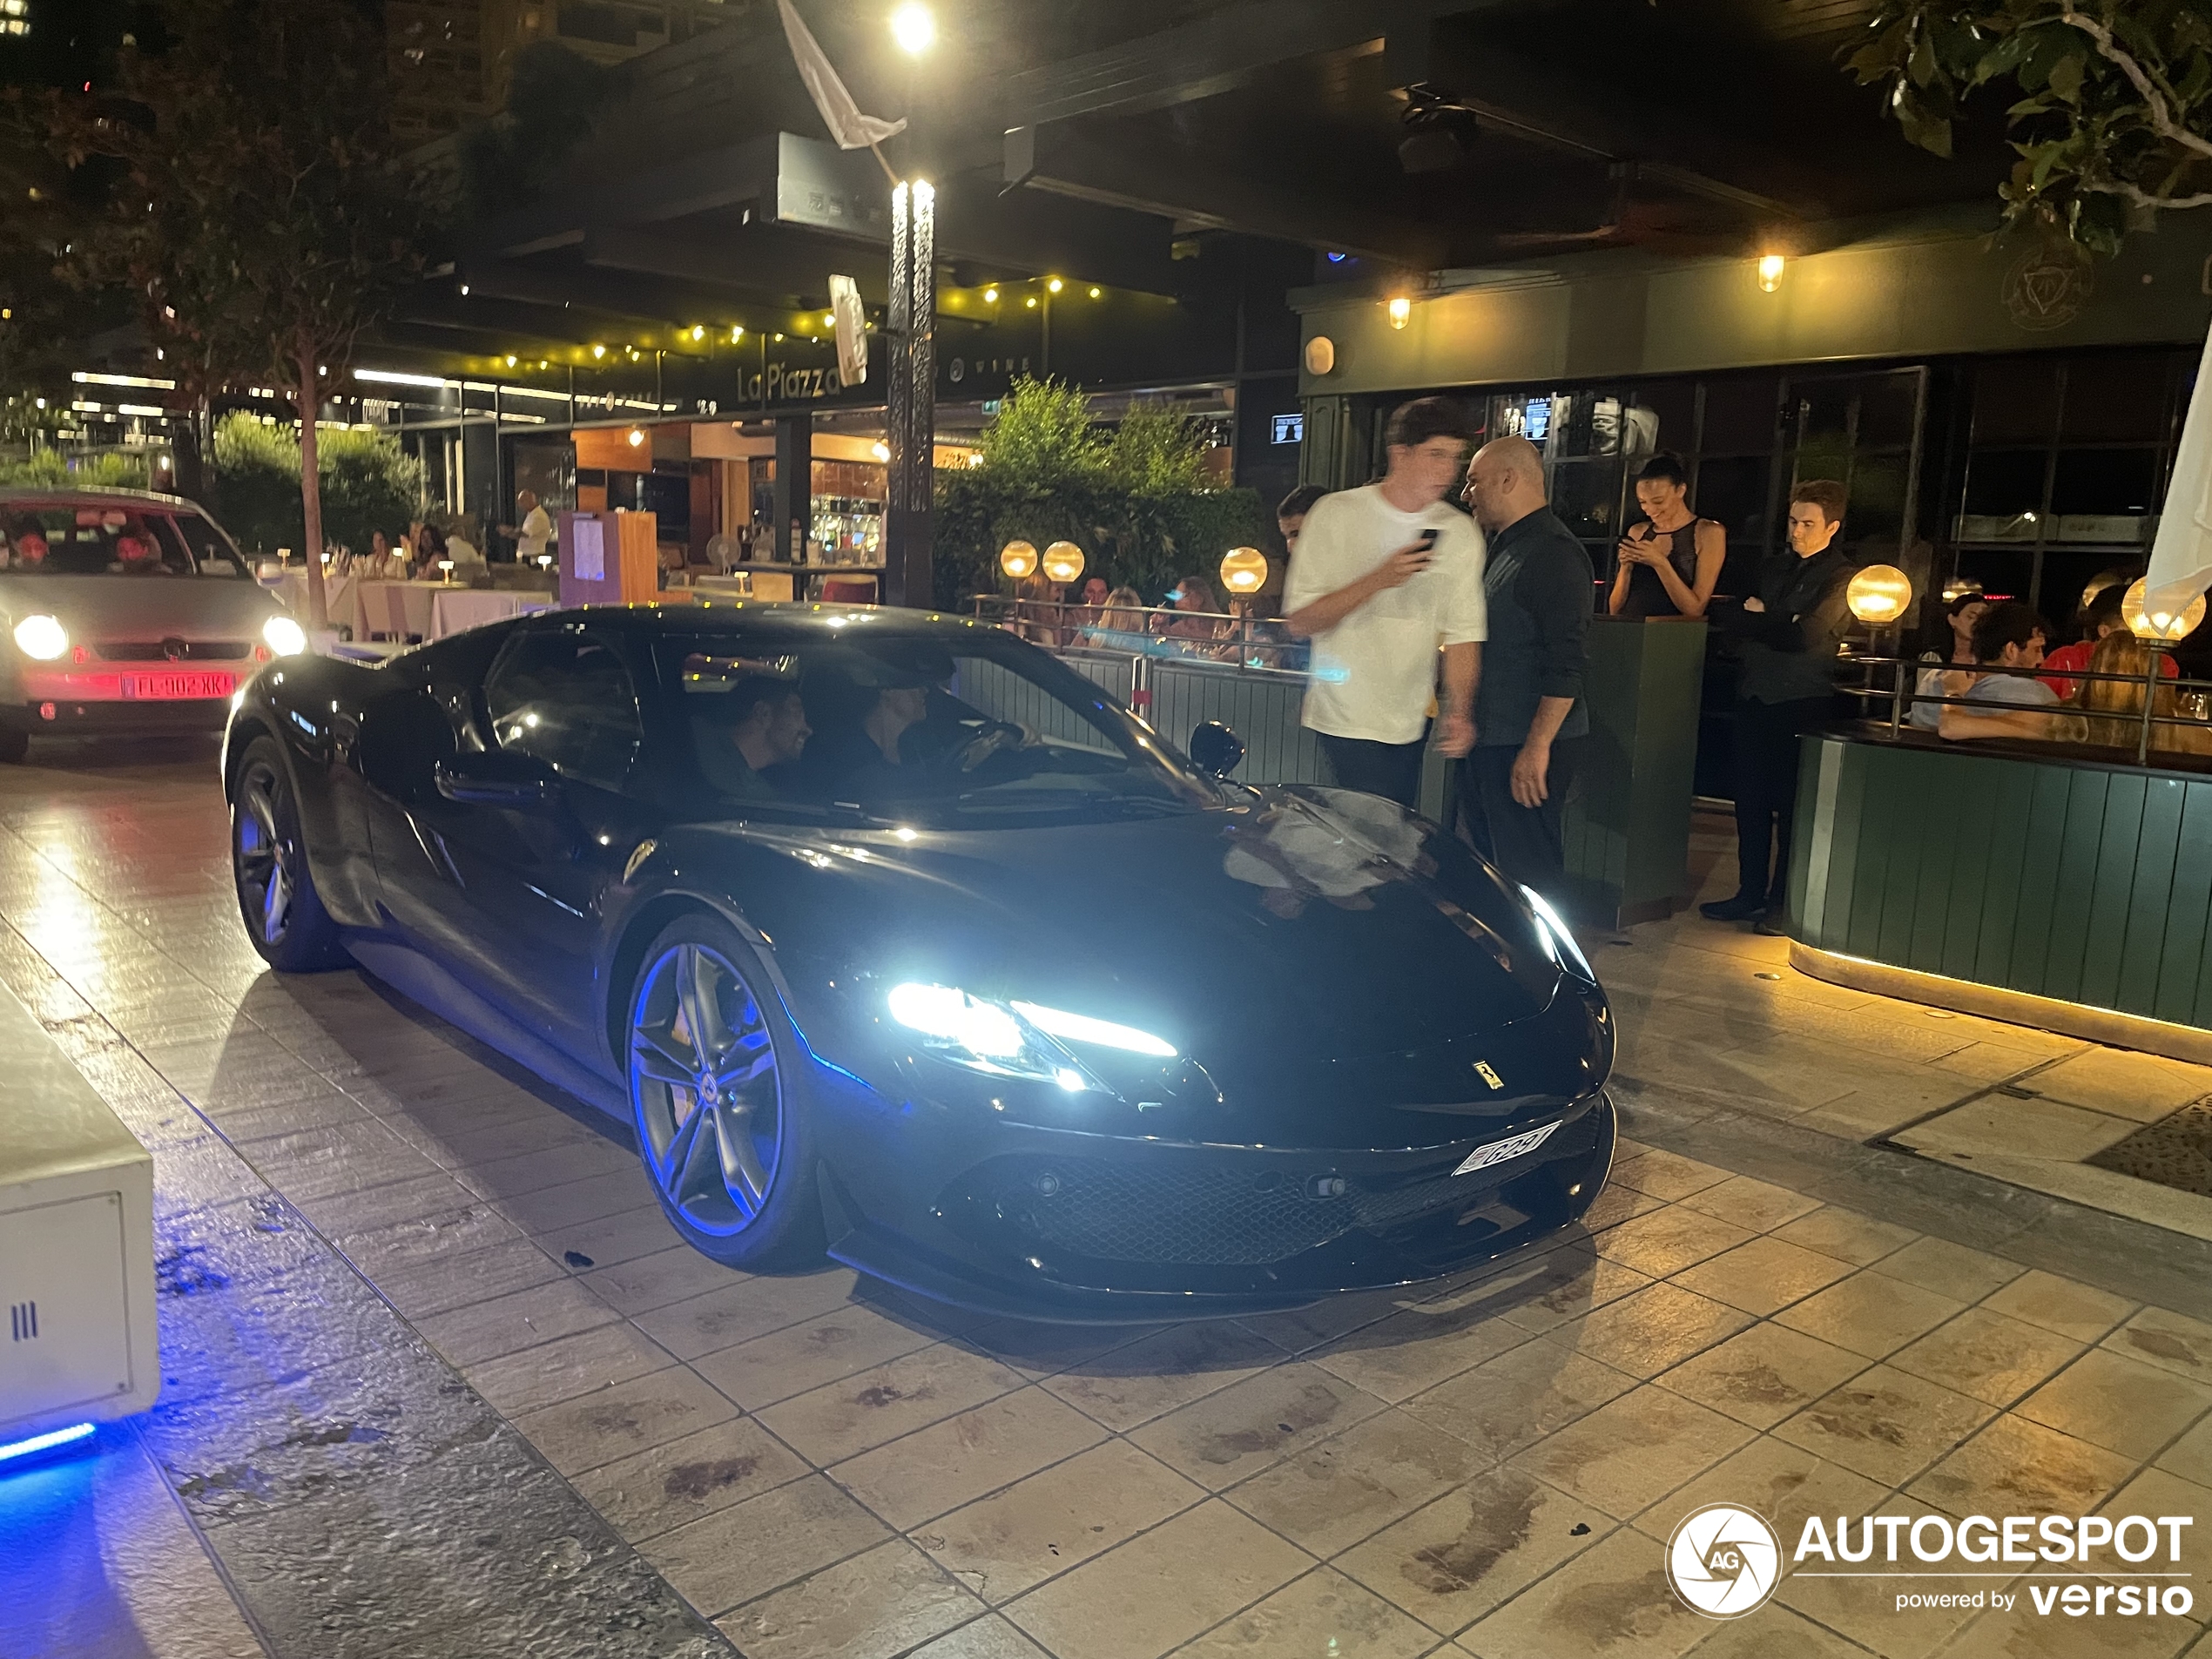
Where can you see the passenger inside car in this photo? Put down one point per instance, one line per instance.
(754, 737)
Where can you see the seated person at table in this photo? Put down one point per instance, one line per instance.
(2113, 710)
(751, 735)
(2101, 621)
(2008, 635)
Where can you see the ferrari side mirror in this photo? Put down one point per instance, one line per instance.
(496, 778)
(1215, 749)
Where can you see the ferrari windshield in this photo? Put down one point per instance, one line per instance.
(973, 732)
(123, 540)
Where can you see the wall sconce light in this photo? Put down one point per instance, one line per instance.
(1401, 311)
(879, 450)
(1063, 562)
(1771, 266)
(1018, 559)
(599, 351)
(637, 436)
(1244, 569)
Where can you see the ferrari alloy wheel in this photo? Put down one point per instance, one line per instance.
(717, 1127)
(276, 895)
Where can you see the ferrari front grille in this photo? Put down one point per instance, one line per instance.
(1189, 1212)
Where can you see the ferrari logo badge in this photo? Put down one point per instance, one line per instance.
(1483, 1070)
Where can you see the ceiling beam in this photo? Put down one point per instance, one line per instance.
(1061, 162)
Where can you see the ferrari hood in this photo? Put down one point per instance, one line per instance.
(1309, 928)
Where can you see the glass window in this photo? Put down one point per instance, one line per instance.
(2116, 397)
(990, 732)
(2016, 400)
(2117, 483)
(104, 540)
(562, 695)
(2004, 485)
(1741, 416)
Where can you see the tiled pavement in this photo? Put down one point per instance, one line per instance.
(824, 1468)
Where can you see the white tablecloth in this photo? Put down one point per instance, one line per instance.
(416, 609)
(453, 610)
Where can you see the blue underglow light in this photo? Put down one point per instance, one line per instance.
(45, 1442)
(1336, 259)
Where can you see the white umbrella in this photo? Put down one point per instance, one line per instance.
(2180, 558)
(852, 130)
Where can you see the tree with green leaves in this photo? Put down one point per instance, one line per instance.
(1139, 502)
(2111, 120)
(263, 216)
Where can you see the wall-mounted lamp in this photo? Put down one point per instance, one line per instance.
(637, 436)
(879, 450)
(1401, 311)
(1771, 266)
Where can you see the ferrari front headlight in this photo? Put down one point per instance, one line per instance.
(1558, 938)
(1014, 1039)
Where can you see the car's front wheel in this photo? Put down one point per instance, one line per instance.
(721, 1120)
(276, 892)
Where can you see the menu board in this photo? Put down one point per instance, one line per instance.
(590, 549)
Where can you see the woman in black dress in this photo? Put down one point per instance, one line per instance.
(1669, 566)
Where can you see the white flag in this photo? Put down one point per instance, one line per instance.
(852, 130)
(2181, 558)
(852, 330)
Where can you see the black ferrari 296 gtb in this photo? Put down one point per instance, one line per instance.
(893, 935)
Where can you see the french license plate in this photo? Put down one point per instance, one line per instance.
(1498, 1152)
(165, 687)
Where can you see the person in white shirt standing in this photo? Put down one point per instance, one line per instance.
(532, 540)
(1384, 575)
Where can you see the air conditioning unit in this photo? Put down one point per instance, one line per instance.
(78, 1344)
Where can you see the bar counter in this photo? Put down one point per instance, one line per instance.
(2041, 884)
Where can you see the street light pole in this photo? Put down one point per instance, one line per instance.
(911, 395)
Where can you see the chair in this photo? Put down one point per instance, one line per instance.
(848, 590)
(396, 617)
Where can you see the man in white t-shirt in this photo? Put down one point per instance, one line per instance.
(1384, 575)
(536, 531)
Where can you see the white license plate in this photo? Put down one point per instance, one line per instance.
(167, 687)
(1498, 1152)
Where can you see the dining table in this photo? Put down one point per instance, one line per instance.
(367, 607)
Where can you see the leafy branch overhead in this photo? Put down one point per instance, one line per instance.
(2112, 115)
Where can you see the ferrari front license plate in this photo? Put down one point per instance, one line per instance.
(1498, 1152)
(176, 686)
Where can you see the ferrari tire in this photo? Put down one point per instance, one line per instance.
(276, 891)
(711, 1065)
(15, 744)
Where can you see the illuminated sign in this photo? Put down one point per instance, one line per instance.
(1290, 429)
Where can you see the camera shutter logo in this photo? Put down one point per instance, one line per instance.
(1723, 1561)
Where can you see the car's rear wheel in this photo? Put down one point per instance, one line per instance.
(15, 744)
(276, 891)
(722, 1122)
